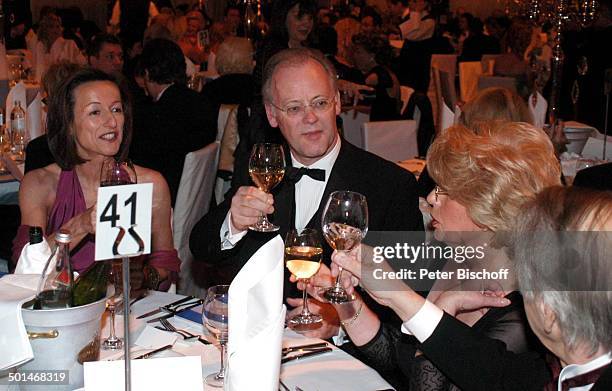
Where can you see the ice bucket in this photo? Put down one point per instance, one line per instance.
(62, 339)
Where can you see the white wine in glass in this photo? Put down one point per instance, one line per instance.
(266, 168)
(345, 224)
(303, 253)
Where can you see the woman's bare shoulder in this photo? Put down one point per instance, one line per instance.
(39, 186)
(147, 175)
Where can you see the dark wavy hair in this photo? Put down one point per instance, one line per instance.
(60, 118)
(164, 61)
(278, 21)
(377, 45)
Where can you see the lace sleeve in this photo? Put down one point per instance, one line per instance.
(377, 349)
(426, 377)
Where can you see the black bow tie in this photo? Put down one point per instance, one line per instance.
(295, 174)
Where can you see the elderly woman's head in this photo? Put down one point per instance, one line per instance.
(235, 55)
(89, 117)
(494, 104)
(561, 250)
(483, 179)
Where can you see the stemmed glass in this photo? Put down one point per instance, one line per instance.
(115, 172)
(267, 168)
(345, 224)
(113, 342)
(215, 318)
(303, 257)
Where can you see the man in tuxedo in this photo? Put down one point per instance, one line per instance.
(106, 54)
(301, 98)
(176, 122)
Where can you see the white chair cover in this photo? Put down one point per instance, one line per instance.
(192, 202)
(34, 118)
(391, 140)
(229, 142)
(224, 112)
(351, 125)
(537, 106)
(469, 72)
(447, 117)
(405, 93)
(593, 149)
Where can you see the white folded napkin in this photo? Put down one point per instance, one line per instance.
(256, 321)
(538, 110)
(33, 259)
(15, 348)
(34, 123)
(447, 117)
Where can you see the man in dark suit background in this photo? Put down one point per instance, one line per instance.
(301, 98)
(176, 122)
(17, 22)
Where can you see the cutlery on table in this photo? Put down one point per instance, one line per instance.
(176, 310)
(167, 326)
(305, 355)
(168, 307)
(147, 355)
(312, 346)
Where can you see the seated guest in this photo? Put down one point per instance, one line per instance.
(511, 62)
(189, 44)
(305, 109)
(235, 83)
(570, 316)
(38, 154)
(106, 54)
(474, 203)
(89, 121)
(178, 120)
(52, 47)
(371, 55)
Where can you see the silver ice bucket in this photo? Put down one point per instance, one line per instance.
(63, 339)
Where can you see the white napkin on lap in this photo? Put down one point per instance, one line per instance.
(15, 348)
(256, 321)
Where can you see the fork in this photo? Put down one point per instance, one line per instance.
(184, 333)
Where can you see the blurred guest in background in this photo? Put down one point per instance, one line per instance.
(178, 120)
(17, 22)
(415, 56)
(191, 47)
(106, 54)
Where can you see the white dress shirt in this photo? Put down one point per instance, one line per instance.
(574, 370)
(424, 322)
(415, 29)
(308, 194)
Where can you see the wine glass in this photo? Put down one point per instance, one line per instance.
(113, 342)
(303, 257)
(115, 172)
(266, 167)
(345, 224)
(215, 318)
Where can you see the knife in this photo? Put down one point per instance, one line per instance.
(304, 355)
(152, 352)
(311, 346)
(173, 312)
(166, 307)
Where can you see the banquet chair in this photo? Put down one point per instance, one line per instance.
(192, 202)
(488, 63)
(537, 105)
(352, 121)
(225, 168)
(497, 81)
(405, 94)
(469, 72)
(391, 140)
(446, 96)
(224, 112)
(420, 110)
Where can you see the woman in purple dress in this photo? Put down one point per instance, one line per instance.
(89, 120)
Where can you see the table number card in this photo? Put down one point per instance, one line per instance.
(123, 221)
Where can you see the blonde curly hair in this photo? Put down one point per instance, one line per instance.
(494, 172)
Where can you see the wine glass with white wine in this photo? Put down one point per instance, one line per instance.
(345, 224)
(267, 168)
(303, 257)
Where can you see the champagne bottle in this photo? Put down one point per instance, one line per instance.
(35, 234)
(59, 284)
(91, 285)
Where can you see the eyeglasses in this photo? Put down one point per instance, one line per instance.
(319, 105)
(438, 191)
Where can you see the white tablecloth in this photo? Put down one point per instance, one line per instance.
(336, 370)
